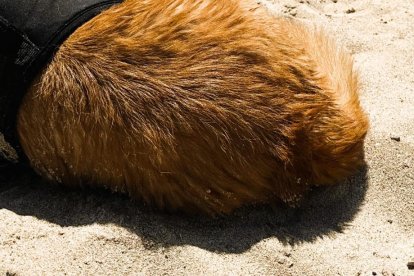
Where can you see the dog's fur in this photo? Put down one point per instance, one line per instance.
(200, 106)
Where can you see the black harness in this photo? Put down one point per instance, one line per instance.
(31, 31)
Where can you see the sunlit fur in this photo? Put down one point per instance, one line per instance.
(198, 106)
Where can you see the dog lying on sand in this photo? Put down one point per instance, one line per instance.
(195, 106)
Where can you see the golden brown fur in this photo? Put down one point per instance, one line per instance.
(195, 105)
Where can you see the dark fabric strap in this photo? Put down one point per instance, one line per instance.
(30, 34)
(16, 53)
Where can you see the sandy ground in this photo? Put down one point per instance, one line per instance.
(363, 227)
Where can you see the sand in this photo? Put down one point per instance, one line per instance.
(362, 227)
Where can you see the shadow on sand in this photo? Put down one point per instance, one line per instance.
(327, 211)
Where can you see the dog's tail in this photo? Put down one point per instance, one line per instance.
(337, 132)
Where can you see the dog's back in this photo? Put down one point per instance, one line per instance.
(195, 105)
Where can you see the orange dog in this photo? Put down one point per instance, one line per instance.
(198, 106)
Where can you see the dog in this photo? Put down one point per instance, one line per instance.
(195, 106)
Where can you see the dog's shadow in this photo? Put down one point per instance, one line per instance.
(326, 212)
